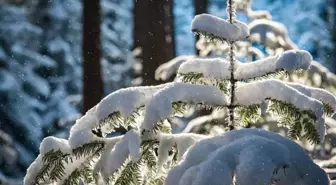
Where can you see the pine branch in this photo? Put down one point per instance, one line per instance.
(248, 114)
(209, 36)
(84, 171)
(53, 167)
(115, 120)
(293, 118)
(328, 110)
(199, 78)
(191, 77)
(88, 149)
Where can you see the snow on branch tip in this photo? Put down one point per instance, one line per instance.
(215, 27)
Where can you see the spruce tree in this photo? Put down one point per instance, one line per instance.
(149, 153)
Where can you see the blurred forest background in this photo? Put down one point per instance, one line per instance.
(58, 58)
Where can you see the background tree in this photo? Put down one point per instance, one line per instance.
(153, 34)
(93, 84)
(333, 35)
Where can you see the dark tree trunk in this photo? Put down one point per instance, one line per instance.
(93, 89)
(333, 37)
(153, 33)
(201, 6)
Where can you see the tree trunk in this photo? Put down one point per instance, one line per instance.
(201, 6)
(93, 89)
(153, 33)
(333, 37)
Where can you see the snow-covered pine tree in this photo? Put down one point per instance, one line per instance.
(150, 154)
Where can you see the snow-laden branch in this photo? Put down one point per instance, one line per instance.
(290, 61)
(33, 170)
(125, 101)
(57, 159)
(219, 28)
(160, 106)
(239, 153)
(208, 67)
(316, 93)
(49, 144)
(328, 77)
(271, 34)
(54, 143)
(168, 69)
(256, 92)
(129, 145)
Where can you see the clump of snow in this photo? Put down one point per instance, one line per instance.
(168, 69)
(101, 166)
(182, 142)
(166, 144)
(81, 137)
(54, 143)
(256, 69)
(278, 90)
(316, 93)
(160, 106)
(88, 121)
(219, 27)
(293, 60)
(214, 67)
(33, 171)
(290, 61)
(252, 155)
(126, 100)
(128, 145)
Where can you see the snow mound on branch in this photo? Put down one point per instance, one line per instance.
(54, 143)
(256, 69)
(168, 69)
(181, 141)
(278, 90)
(33, 171)
(290, 61)
(254, 156)
(125, 101)
(293, 60)
(160, 106)
(128, 145)
(81, 137)
(214, 67)
(316, 93)
(220, 27)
